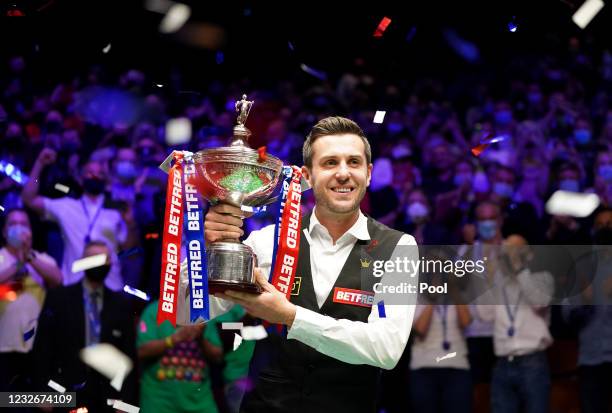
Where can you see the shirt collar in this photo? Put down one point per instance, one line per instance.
(359, 230)
(99, 200)
(90, 289)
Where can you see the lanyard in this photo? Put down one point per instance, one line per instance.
(89, 220)
(511, 314)
(442, 311)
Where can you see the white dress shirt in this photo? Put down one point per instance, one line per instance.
(74, 223)
(532, 292)
(380, 342)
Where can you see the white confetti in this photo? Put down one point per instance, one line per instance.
(571, 203)
(89, 262)
(56, 386)
(159, 85)
(178, 131)
(136, 292)
(175, 18)
(106, 48)
(237, 341)
(117, 381)
(1, 208)
(123, 406)
(313, 72)
(108, 361)
(589, 9)
(110, 402)
(446, 356)
(379, 117)
(62, 188)
(231, 326)
(253, 333)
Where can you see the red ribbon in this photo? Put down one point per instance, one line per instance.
(289, 238)
(171, 245)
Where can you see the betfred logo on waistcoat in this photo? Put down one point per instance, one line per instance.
(353, 297)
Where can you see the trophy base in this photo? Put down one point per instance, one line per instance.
(217, 286)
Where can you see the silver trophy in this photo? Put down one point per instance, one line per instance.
(240, 176)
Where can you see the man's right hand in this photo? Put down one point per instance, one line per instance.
(222, 223)
(46, 157)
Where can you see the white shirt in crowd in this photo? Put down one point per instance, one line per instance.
(74, 223)
(380, 342)
(532, 292)
(20, 316)
(427, 350)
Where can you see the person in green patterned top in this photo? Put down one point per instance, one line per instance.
(175, 377)
(236, 369)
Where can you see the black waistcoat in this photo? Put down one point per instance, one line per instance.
(290, 376)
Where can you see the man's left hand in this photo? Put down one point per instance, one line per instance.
(271, 305)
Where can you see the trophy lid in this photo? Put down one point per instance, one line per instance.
(241, 132)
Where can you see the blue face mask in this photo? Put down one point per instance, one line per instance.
(503, 117)
(15, 235)
(487, 229)
(503, 189)
(605, 172)
(126, 170)
(582, 136)
(571, 185)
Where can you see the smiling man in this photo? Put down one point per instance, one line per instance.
(331, 357)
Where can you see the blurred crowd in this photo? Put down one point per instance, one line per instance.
(89, 148)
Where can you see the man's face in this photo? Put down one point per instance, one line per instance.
(340, 173)
(94, 170)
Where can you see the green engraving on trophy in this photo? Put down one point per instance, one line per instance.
(242, 180)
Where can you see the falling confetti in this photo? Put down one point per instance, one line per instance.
(381, 309)
(29, 334)
(106, 48)
(62, 188)
(159, 85)
(137, 293)
(382, 26)
(587, 12)
(262, 155)
(379, 117)
(313, 72)
(56, 386)
(484, 144)
(175, 18)
(231, 326)
(178, 131)
(446, 356)
(253, 333)
(1, 208)
(126, 407)
(79, 410)
(88, 263)
(571, 203)
(237, 341)
(108, 361)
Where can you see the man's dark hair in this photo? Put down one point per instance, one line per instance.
(333, 125)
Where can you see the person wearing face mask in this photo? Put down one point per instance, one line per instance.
(27, 273)
(603, 177)
(479, 333)
(83, 219)
(78, 316)
(417, 220)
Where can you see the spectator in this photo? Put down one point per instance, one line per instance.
(521, 375)
(81, 315)
(83, 219)
(175, 376)
(27, 273)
